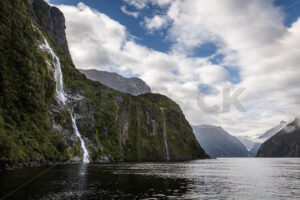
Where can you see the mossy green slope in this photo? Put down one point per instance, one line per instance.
(27, 88)
(116, 126)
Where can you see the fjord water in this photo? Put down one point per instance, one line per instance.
(228, 178)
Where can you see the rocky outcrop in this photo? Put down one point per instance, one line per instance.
(133, 86)
(51, 20)
(286, 143)
(218, 143)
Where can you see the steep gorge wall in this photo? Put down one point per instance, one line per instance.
(51, 20)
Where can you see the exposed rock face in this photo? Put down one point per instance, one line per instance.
(51, 20)
(133, 86)
(218, 143)
(286, 143)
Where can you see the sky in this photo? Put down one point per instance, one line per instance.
(196, 52)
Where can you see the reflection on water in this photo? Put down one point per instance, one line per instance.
(237, 178)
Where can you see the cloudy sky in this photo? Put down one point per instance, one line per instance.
(184, 48)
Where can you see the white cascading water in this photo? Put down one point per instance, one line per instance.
(86, 156)
(62, 97)
(165, 136)
(57, 73)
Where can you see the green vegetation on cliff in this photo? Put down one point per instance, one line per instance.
(27, 88)
(115, 126)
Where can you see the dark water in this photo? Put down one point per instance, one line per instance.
(237, 178)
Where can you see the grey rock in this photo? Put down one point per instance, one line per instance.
(53, 23)
(103, 159)
(76, 159)
(133, 86)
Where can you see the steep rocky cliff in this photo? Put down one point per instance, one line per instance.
(51, 20)
(34, 127)
(133, 86)
(286, 143)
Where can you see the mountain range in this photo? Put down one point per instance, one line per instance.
(253, 144)
(218, 143)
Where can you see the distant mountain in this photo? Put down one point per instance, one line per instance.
(218, 143)
(133, 86)
(268, 134)
(286, 143)
(247, 142)
(253, 144)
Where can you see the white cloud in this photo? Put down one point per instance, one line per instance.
(250, 34)
(94, 38)
(156, 23)
(141, 4)
(130, 13)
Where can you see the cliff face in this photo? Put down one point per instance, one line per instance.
(35, 127)
(218, 143)
(286, 143)
(52, 21)
(133, 86)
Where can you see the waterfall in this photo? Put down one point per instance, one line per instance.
(86, 156)
(165, 135)
(57, 73)
(62, 97)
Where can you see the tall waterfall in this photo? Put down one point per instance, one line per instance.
(62, 97)
(57, 73)
(165, 135)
